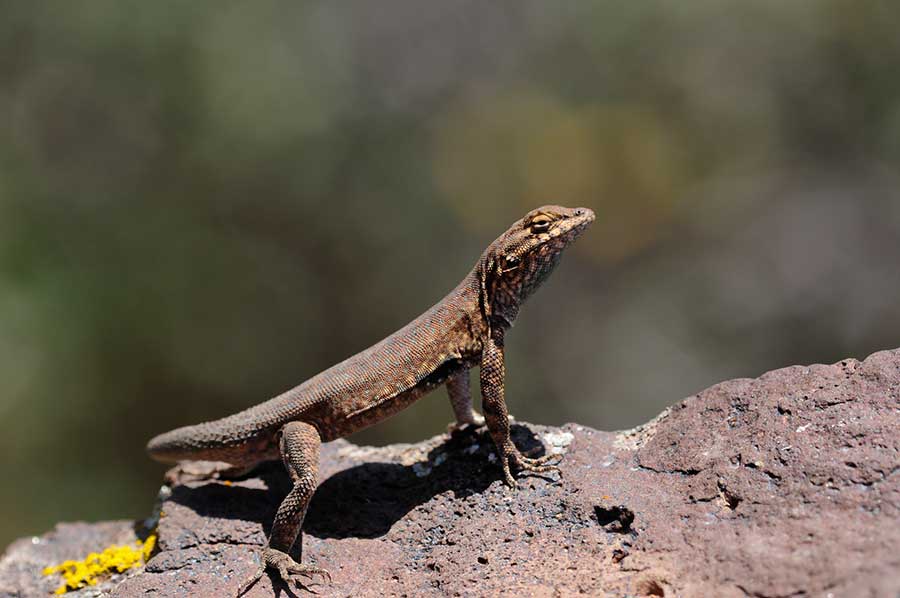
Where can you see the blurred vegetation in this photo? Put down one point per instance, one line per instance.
(202, 204)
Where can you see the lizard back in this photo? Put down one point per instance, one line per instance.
(355, 393)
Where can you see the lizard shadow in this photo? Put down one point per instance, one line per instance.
(366, 500)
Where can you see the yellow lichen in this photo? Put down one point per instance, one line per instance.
(79, 574)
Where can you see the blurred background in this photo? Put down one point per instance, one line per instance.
(203, 204)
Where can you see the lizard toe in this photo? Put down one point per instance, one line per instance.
(250, 582)
(288, 569)
(508, 478)
(538, 465)
(543, 459)
(309, 571)
(540, 469)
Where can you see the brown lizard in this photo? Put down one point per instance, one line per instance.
(464, 329)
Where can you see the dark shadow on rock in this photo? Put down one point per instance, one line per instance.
(366, 500)
(217, 500)
(363, 501)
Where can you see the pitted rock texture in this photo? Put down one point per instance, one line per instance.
(786, 485)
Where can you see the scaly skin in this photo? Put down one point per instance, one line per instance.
(464, 329)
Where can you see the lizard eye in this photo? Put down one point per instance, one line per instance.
(540, 223)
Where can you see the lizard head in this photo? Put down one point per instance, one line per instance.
(521, 258)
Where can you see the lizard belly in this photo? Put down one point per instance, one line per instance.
(377, 413)
(338, 421)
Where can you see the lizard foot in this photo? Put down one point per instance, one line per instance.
(288, 569)
(472, 421)
(541, 460)
(508, 478)
(534, 465)
(526, 464)
(477, 419)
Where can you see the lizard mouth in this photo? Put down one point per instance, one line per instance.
(571, 228)
(553, 242)
(582, 219)
(537, 264)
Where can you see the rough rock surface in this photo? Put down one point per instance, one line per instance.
(783, 486)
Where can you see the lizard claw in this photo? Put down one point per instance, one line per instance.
(508, 478)
(537, 465)
(249, 583)
(540, 460)
(288, 569)
(511, 456)
(541, 468)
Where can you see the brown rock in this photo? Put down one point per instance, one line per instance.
(782, 486)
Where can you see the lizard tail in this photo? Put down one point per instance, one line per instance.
(211, 441)
(176, 445)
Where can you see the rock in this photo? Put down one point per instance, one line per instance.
(786, 485)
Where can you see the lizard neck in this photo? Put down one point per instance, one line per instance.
(498, 303)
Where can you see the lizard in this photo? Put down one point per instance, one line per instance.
(464, 329)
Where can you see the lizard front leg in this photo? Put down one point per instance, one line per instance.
(493, 373)
(300, 444)
(461, 399)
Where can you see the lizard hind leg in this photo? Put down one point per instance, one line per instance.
(299, 445)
